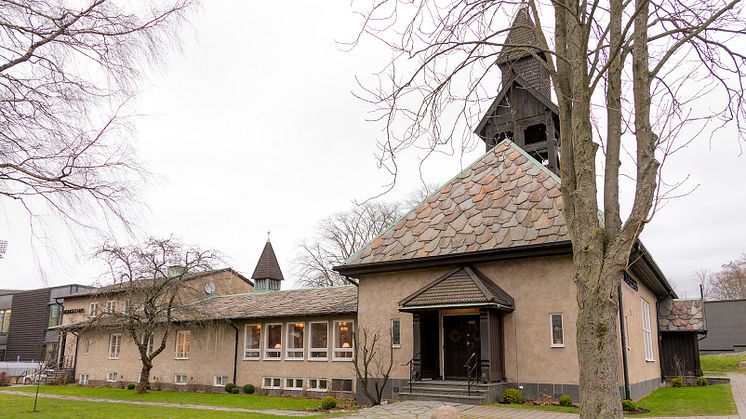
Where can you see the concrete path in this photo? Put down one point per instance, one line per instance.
(424, 410)
(294, 413)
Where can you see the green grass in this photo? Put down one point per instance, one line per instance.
(722, 364)
(715, 400)
(21, 407)
(244, 401)
(550, 408)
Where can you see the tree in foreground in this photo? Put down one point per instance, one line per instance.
(151, 282)
(373, 361)
(635, 79)
(66, 71)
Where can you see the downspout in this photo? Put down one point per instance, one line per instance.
(235, 353)
(75, 362)
(660, 336)
(623, 332)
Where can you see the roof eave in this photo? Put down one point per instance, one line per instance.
(520, 252)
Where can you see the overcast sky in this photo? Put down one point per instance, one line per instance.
(252, 127)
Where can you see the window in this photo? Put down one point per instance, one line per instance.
(111, 306)
(84, 379)
(318, 342)
(180, 379)
(295, 341)
(182, 344)
(342, 385)
(111, 376)
(317, 384)
(149, 346)
(557, 326)
(271, 382)
(252, 335)
(87, 346)
(343, 340)
(127, 306)
(396, 333)
(648, 336)
(220, 380)
(93, 310)
(54, 315)
(4, 321)
(115, 345)
(273, 348)
(294, 384)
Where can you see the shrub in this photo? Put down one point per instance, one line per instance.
(328, 402)
(4, 379)
(249, 389)
(677, 382)
(702, 381)
(628, 406)
(235, 390)
(229, 387)
(565, 400)
(131, 386)
(513, 396)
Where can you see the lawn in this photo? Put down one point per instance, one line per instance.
(20, 406)
(722, 364)
(244, 401)
(550, 408)
(715, 400)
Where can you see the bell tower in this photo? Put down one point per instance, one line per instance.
(267, 275)
(523, 111)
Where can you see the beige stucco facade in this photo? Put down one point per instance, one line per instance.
(640, 367)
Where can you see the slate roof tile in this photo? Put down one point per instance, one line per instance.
(505, 199)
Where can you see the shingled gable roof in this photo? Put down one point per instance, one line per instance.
(506, 199)
(458, 288)
(267, 267)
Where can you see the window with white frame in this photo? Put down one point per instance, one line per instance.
(87, 345)
(271, 382)
(111, 306)
(317, 384)
(343, 340)
(318, 341)
(557, 330)
(220, 380)
(293, 384)
(295, 341)
(180, 379)
(273, 343)
(182, 344)
(149, 346)
(111, 376)
(93, 310)
(252, 341)
(396, 333)
(84, 379)
(115, 345)
(647, 333)
(127, 306)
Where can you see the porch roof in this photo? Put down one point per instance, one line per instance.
(462, 287)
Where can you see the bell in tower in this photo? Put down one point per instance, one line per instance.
(523, 111)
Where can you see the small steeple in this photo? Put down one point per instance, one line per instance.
(267, 274)
(521, 55)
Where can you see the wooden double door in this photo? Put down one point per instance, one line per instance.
(461, 341)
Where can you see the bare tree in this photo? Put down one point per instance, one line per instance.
(152, 282)
(630, 77)
(66, 71)
(373, 362)
(338, 237)
(730, 282)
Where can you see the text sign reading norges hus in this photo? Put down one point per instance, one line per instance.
(73, 311)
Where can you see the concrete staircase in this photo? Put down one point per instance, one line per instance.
(445, 391)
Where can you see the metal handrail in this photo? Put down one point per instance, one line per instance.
(414, 370)
(470, 372)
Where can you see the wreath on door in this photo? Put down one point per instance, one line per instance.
(455, 336)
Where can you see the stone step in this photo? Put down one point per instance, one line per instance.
(475, 391)
(405, 395)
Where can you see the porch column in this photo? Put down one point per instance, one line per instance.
(416, 341)
(484, 343)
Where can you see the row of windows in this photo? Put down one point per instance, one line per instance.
(115, 345)
(111, 307)
(272, 341)
(4, 321)
(270, 383)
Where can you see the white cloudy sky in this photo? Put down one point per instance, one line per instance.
(253, 127)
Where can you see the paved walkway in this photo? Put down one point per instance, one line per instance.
(159, 404)
(424, 410)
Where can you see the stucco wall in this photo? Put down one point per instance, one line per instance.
(540, 287)
(640, 369)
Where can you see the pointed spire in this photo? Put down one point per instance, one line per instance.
(520, 38)
(267, 267)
